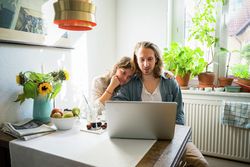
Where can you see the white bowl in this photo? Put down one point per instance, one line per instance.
(64, 123)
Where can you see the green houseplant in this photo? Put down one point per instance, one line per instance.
(225, 80)
(242, 73)
(183, 61)
(203, 31)
(239, 71)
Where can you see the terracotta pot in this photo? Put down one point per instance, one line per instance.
(244, 81)
(223, 81)
(244, 84)
(206, 79)
(183, 81)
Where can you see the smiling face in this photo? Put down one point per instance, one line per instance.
(146, 60)
(124, 75)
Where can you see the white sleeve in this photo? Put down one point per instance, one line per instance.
(97, 89)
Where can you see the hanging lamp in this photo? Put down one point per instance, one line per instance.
(75, 15)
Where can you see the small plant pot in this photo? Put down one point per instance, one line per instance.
(183, 81)
(232, 88)
(206, 79)
(223, 81)
(244, 84)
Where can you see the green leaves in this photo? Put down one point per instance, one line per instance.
(38, 77)
(182, 60)
(204, 22)
(241, 71)
(34, 84)
(30, 89)
(57, 87)
(21, 98)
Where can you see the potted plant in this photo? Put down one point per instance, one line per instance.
(203, 31)
(245, 54)
(184, 62)
(242, 73)
(225, 80)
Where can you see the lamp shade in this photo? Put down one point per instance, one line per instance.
(76, 15)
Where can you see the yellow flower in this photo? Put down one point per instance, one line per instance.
(35, 84)
(66, 74)
(18, 79)
(44, 88)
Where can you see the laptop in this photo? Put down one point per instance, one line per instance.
(141, 120)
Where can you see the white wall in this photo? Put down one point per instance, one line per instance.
(120, 25)
(17, 58)
(140, 20)
(101, 41)
(94, 53)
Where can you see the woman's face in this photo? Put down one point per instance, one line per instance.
(124, 75)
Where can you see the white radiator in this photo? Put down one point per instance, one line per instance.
(210, 136)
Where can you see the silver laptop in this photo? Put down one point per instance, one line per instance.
(141, 120)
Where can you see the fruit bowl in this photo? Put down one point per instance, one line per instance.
(64, 123)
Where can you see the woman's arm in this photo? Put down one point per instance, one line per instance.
(169, 74)
(108, 93)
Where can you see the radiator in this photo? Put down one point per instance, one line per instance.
(210, 136)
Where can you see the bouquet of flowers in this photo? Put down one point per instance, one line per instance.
(38, 84)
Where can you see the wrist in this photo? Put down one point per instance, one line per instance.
(109, 92)
(110, 89)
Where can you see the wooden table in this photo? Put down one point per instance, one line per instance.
(162, 153)
(168, 153)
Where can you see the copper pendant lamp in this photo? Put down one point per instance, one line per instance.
(75, 15)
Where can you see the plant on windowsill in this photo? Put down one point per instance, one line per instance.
(242, 73)
(184, 62)
(226, 81)
(203, 31)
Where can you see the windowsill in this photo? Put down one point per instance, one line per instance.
(213, 93)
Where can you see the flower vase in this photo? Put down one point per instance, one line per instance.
(42, 108)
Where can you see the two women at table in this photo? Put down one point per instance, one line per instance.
(147, 84)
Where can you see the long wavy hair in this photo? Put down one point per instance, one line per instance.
(159, 63)
(125, 63)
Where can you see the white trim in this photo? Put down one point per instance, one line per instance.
(178, 21)
(202, 95)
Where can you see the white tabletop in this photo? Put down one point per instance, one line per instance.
(77, 148)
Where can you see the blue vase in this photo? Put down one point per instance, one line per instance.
(42, 108)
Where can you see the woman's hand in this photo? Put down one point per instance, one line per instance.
(114, 83)
(169, 75)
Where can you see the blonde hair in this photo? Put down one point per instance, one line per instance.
(159, 63)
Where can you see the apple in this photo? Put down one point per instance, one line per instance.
(56, 110)
(56, 115)
(68, 114)
(76, 111)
